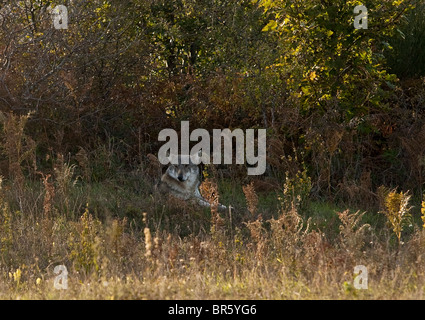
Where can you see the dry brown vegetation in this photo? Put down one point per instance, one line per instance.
(80, 113)
(120, 244)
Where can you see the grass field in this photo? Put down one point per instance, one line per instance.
(117, 240)
(88, 105)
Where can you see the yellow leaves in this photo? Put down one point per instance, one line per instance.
(325, 97)
(423, 212)
(271, 26)
(84, 243)
(274, 25)
(312, 76)
(102, 13)
(396, 209)
(102, 8)
(171, 112)
(267, 4)
(17, 275)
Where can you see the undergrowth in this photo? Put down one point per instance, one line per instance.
(124, 243)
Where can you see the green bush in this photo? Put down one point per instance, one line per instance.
(406, 47)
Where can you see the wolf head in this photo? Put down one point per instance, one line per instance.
(181, 171)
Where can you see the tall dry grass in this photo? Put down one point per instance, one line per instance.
(279, 255)
(120, 242)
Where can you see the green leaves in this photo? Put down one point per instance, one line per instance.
(348, 64)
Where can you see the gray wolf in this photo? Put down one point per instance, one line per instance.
(182, 181)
